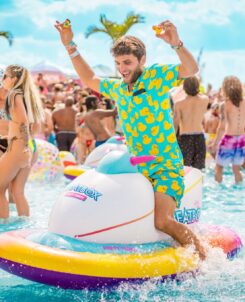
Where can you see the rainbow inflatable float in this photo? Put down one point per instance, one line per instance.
(101, 232)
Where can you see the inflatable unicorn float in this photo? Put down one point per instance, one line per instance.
(101, 231)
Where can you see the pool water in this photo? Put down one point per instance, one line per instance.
(218, 280)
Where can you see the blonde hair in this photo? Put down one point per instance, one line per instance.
(25, 84)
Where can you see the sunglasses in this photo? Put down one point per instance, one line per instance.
(5, 76)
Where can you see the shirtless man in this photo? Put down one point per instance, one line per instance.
(64, 123)
(93, 120)
(231, 148)
(189, 114)
(58, 96)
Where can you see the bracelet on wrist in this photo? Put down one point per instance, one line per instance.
(71, 45)
(74, 54)
(178, 46)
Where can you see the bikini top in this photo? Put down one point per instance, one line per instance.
(7, 104)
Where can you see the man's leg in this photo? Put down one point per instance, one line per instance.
(186, 145)
(165, 222)
(218, 173)
(237, 173)
(243, 165)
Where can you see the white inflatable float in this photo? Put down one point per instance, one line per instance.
(101, 232)
(118, 205)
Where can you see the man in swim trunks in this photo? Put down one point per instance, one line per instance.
(144, 110)
(189, 114)
(64, 123)
(231, 148)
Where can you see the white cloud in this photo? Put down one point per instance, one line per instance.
(43, 14)
(26, 51)
(201, 11)
(219, 64)
(29, 51)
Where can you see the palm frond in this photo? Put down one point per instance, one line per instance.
(113, 29)
(7, 35)
(92, 30)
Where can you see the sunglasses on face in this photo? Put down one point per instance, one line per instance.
(5, 76)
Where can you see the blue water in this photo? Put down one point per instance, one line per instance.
(219, 279)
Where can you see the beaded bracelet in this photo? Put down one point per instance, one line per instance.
(180, 44)
(71, 45)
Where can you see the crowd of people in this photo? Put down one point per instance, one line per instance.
(153, 117)
(76, 119)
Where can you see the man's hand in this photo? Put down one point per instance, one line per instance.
(212, 147)
(168, 33)
(66, 33)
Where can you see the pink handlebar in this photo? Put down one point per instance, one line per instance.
(120, 138)
(135, 160)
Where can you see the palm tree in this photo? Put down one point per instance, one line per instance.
(7, 35)
(113, 29)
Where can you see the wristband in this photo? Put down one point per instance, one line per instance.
(71, 45)
(178, 46)
(74, 54)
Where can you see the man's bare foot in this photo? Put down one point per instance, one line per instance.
(218, 177)
(238, 177)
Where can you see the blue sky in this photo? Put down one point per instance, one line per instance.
(217, 26)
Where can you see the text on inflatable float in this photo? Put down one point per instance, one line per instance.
(82, 192)
(187, 215)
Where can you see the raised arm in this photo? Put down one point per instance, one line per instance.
(188, 65)
(83, 70)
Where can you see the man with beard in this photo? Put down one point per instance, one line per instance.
(144, 109)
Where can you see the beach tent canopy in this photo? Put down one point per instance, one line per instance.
(51, 72)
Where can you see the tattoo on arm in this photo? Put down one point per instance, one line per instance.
(24, 133)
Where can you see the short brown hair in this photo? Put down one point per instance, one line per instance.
(191, 86)
(232, 88)
(127, 45)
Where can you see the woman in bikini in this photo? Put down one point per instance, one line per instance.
(22, 109)
(3, 123)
